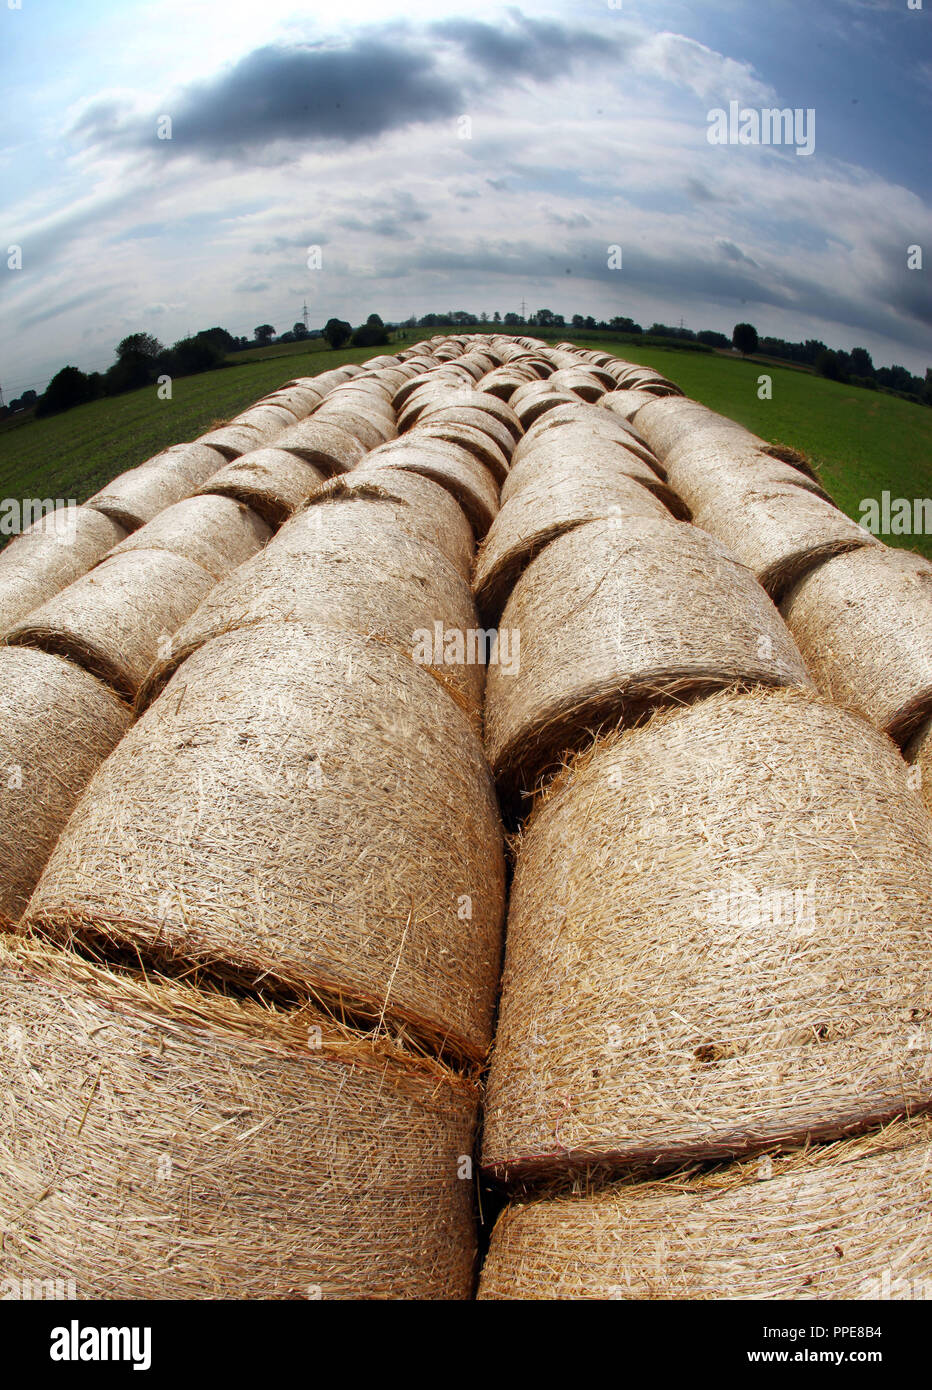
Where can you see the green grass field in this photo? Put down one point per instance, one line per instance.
(862, 442)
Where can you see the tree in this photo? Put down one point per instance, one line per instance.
(198, 354)
(264, 334)
(862, 364)
(139, 345)
(713, 339)
(496, 317)
(373, 321)
(370, 334)
(300, 330)
(337, 332)
(828, 364)
(745, 338)
(68, 388)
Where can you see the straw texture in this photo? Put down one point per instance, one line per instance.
(136, 497)
(215, 532)
(165, 1143)
(454, 468)
(306, 808)
(57, 724)
(574, 449)
(231, 439)
(718, 941)
(616, 616)
(715, 475)
(472, 439)
(273, 482)
(412, 503)
(561, 497)
(344, 567)
(49, 555)
(863, 623)
(113, 620)
(323, 444)
(839, 1221)
(780, 532)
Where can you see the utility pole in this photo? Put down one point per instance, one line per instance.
(523, 309)
(306, 323)
(1, 397)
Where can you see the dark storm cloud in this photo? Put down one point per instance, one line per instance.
(538, 48)
(385, 79)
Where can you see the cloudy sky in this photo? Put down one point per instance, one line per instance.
(586, 126)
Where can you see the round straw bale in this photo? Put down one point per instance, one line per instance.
(345, 567)
(136, 497)
(57, 724)
(113, 620)
(199, 459)
(577, 449)
(503, 418)
(454, 468)
(780, 532)
(273, 482)
(325, 445)
(584, 422)
(706, 476)
(367, 430)
(232, 440)
(863, 622)
(370, 402)
(836, 1221)
(534, 400)
(50, 554)
(474, 440)
(474, 417)
(270, 419)
(579, 382)
(615, 617)
(301, 402)
(625, 402)
(303, 807)
(215, 532)
(740, 950)
(563, 497)
(414, 503)
(503, 382)
(219, 1149)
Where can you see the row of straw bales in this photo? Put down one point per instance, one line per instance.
(267, 943)
(706, 1080)
(103, 588)
(861, 612)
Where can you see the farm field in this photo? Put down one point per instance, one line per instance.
(862, 442)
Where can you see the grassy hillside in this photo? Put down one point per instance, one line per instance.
(862, 442)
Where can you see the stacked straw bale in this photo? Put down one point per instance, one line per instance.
(863, 622)
(412, 503)
(49, 555)
(718, 942)
(214, 532)
(57, 724)
(838, 1221)
(302, 808)
(136, 497)
(342, 567)
(171, 1143)
(552, 501)
(615, 617)
(273, 482)
(451, 466)
(113, 620)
